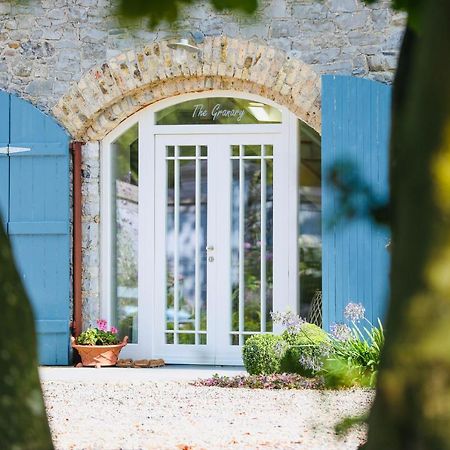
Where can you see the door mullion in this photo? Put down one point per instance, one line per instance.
(176, 256)
(241, 243)
(198, 250)
(263, 239)
(211, 266)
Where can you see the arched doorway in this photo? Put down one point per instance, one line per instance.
(203, 188)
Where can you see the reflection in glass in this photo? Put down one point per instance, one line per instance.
(252, 245)
(125, 178)
(269, 240)
(251, 241)
(185, 243)
(219, 111)
(310, 227)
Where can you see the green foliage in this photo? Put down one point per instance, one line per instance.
(345, 425)
(94, 336)
(262, 354)
(304, 344)
(354, 361)
(170, 10)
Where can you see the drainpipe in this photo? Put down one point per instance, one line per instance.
(77, 301)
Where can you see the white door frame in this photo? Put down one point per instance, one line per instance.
(288, 129)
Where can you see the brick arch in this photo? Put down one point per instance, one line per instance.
(113, 91)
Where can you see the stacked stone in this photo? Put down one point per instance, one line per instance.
(47, 45)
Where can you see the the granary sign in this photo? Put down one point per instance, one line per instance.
(217, 112)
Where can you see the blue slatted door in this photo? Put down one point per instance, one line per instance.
(355, 129)
(4, 159)
(39, 223)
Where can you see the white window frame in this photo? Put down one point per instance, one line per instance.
(289, 129)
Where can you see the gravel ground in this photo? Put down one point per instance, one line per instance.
(176, 415)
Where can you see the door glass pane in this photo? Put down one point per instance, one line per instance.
(125, 179)
(186, 169)
(251, 241)
(218, 111)
(269, 238)
(310, 227)
(252, 245)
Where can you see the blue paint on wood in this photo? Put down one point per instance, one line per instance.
(4, 160)
(355, 129)
(38, 223)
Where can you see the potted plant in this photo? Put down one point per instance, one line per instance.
(99, 346)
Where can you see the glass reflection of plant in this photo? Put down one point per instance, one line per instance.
(252, 250)
(127, 277)
(125, 173)
(186, 320)
(310, 271)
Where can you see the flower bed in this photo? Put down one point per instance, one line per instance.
(274, 381)
(347, 356)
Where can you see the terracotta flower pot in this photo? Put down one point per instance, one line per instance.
(99, 355)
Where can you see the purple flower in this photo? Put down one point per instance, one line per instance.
(341, 331)
(114, 330)
(311, 362)
(289, 320)
(280, 348)
(354, 312)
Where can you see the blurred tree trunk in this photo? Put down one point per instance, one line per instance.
(23, 420)
(412, 405)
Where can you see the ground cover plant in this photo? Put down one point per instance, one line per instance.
(273, 381)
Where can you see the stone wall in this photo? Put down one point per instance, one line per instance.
(90, 228)
(46, 45)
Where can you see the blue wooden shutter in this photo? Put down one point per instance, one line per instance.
(39, 222)
(4, 160)
(355, 129)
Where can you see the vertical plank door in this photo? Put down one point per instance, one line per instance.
(4, 159)
(355, 133)
(39, 223)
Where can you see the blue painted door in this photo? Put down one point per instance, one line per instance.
(4, 159)
(355, 133)
(38, 222)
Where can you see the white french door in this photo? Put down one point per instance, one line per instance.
(221, 243)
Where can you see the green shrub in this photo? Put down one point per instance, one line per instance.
(303, 345)
(262, 354)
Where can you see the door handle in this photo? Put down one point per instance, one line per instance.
(210, 248)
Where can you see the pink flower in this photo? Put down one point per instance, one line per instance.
(114, 330)
(102, 325)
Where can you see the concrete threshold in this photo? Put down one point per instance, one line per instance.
(170, 372)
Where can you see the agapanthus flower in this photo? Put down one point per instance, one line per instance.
(289, 320)
(354, 312)
(280, 348)
(311, 362)
(341, 331)
(324, 349)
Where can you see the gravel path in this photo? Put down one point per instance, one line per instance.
(175, 415)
